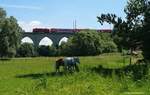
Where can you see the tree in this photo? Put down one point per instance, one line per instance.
(109, 46)
(87, 43)
(135, 29)
(47, 50)
(67, 49)
(10, 33)
(127, 32)
(146, 33)
(26, 50)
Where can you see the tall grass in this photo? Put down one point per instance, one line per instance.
(35, 76)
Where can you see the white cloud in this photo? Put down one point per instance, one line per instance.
(21, 7)
(28, 26)
(35, 23)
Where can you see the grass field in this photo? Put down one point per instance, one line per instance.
(34, 76)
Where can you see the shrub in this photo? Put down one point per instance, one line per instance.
(47, 50)
(26, 50)
(87, 43)
(110, 47)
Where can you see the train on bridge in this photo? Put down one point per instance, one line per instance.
(53, 30)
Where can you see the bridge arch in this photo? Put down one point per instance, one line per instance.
(63, 39)
(26, 40)
(46, 41)
(52, 38)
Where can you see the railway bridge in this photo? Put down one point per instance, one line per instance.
(54, 34)
(54, 37)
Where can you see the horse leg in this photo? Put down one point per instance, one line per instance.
(76, 67)
(57, 67)
(65, 68)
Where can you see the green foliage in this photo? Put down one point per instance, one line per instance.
(135, 9)
(119, 30)
(26, 50)
(133, 32)
(110, 47)
(9, 35)
(66, 49)
(47, 50)
(127, 32)
(146, 34)
(88, 43)
(108, 44)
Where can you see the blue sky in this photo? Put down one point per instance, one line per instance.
(61, 13)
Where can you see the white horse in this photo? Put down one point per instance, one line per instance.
(69, 64)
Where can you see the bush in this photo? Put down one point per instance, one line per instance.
(26, 50)
(87, 43)
(66, 49)
(47, 51)
(109, 47)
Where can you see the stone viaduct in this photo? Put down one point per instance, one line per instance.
(55, 37)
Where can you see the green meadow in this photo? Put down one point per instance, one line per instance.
(36, 76)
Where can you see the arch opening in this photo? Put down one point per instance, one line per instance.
(46, 42)
(27, 40)
(63, 40)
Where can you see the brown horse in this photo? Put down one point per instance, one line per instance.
(69, 64)
(59, 62)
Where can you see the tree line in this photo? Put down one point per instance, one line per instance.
(84, 43)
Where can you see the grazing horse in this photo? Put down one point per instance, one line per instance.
(59, 62)
(69, 64)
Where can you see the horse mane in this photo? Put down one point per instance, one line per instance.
(60, 60)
